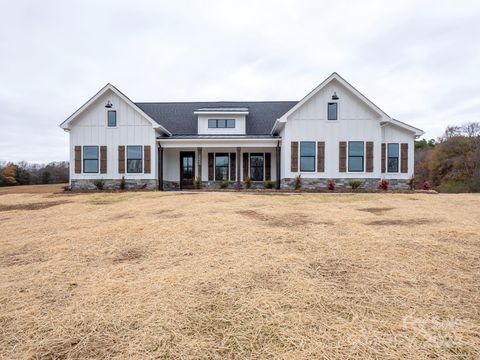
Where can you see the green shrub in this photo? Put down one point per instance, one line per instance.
(355, 184)
(248, 182)
(123, 184)
(198, 182)
(298, 182)
(224, 184)
(454, 187)
(269, 184)
(99, 184)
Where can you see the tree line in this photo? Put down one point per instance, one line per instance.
(452, 162)
(24, 173)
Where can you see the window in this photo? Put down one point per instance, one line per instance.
(111, 118)
(90, 159)
(355, 156)
(221, 123)
(392, 158)
(134, 159)
(221, 167)
(256, 166)
(307, 156)
(332, 111)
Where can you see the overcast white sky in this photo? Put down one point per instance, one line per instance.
(418, 60)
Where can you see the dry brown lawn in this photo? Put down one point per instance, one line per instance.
(31, 189)
(230, 275)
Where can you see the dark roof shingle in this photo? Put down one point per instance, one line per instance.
(179, 119)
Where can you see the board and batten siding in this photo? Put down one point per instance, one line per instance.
(356, 122)
(90, 128)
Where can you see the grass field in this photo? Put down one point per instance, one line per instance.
(231, 275)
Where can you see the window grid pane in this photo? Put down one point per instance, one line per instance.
(90, 166)
(307, 163)
(332, 111)
(112, 118)
(90, 159)
(355, 156)
(393, 153)
(134, 159)
(90, 152)
(221, 123)
(307, 156)
(355, 163)
(392, 150)
(355, 148)
(393, 164)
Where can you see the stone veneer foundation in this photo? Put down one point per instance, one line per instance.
(371, 183)
(114, 184)
(286, 184)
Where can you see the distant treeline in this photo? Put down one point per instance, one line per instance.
(23, 173)
(452, 162)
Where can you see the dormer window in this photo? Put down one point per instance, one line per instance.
(332, 111)
(111, 118)
(221, 123)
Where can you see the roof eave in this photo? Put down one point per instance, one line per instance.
(221, 112)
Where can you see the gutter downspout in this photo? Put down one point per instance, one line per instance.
(160, 167)
(277, 158)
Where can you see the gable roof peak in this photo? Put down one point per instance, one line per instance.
(65, 125)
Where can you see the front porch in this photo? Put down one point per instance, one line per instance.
(211, 162)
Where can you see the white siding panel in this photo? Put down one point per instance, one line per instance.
(132, 129)
(356, 122)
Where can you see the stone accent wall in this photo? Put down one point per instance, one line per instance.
(114, 184)
(342, 183)
(171, 185)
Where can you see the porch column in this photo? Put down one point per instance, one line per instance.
(199, 155)
(278, 162)
(160, 167)
(239, 150)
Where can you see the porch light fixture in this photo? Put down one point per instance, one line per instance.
(109, 104)
(334, 96)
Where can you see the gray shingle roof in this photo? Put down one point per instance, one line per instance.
(179, 119)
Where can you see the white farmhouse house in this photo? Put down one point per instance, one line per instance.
(332, 133)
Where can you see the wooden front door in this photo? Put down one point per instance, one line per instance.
(187, 169)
